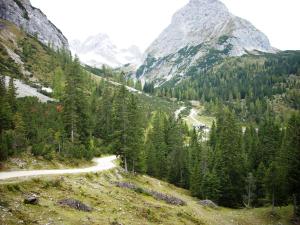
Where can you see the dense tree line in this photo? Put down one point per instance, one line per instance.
(236, 167)
(119, 124)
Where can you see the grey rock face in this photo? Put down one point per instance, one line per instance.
(33, 21)
(201, 25)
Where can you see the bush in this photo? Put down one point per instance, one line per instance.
(37, 149)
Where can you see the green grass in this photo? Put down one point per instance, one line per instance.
(114, 205)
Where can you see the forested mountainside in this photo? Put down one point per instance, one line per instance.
(251, 85)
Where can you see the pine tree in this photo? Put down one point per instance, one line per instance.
(70, 105)
(138, 85)
(158, 153)
(58, 83)
(104, 117)
(135, 136)
(196, 180)
(177, 154)
(229, 162)
(250, 141)
(292, 150)
(269, 141)
(260, 192)
(5, 109)
(2, 86)
(275, 184)
(250, 188)
(151, 160)
(211, 186)
(75, 110)
(213, 136)
(121, 125)
(12, 95)
(20, 131)
(75, 116)
(195, 163)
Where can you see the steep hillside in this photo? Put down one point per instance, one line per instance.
(197, 30)
(33, 21)
(114, 205)
(24, 56)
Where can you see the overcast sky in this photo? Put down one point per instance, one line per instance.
(139, 22)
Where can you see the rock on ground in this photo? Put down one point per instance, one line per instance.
(208, 203)
(31, 199)
(75, 204)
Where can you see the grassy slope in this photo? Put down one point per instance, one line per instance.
(27, 161)
(111, 203)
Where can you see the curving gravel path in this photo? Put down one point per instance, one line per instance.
(104, 163)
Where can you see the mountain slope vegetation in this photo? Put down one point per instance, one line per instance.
(115, 205)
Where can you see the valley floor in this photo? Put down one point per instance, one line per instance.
(115, 205)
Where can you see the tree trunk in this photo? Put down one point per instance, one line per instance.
(125, 162)
(273, 201)
(133, 166)
(72, 135)
(249, 196)
(295, 205)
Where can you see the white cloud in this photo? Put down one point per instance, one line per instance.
(139, 22)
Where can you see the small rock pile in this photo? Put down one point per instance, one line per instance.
(167, 198)
(157, 195)
(75, 204)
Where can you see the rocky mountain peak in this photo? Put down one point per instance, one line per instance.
(195, 29)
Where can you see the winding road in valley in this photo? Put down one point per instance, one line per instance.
(102, 164)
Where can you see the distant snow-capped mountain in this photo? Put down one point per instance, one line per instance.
(99, 50)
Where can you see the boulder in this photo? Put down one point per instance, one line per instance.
(31, 199)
